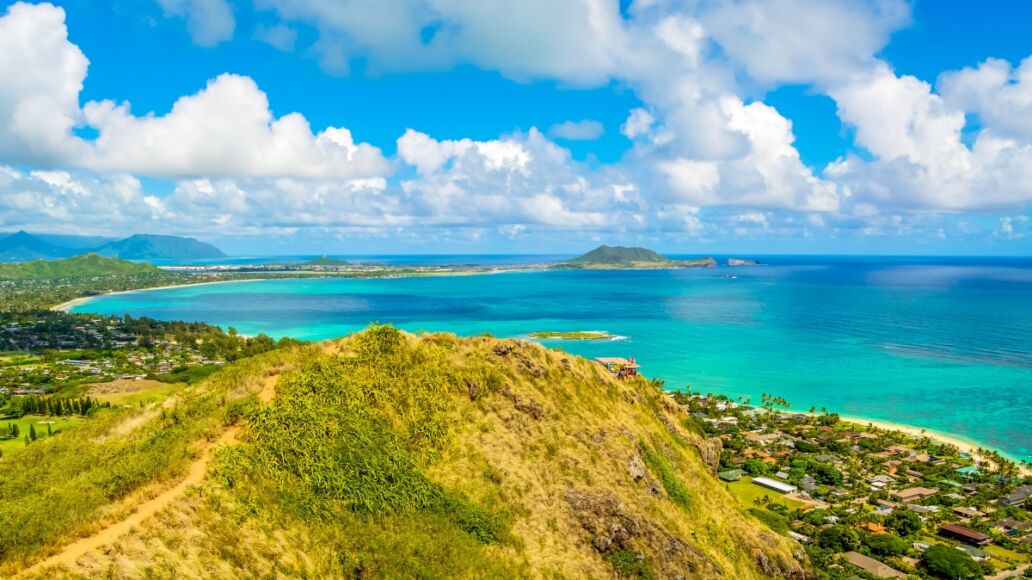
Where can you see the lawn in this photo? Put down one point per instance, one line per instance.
(1004, 558)
(748, 492)
(57, 424)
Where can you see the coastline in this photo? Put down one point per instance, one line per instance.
(65, 306)
(963, 444)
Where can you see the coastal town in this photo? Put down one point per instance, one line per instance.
(870, 502)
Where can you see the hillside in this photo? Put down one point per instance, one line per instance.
(85, 266)
(22, 246)
(613, 257)
(325, 261)
(390, 455)
(155, 247)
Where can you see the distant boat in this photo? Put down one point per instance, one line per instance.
(729, 276)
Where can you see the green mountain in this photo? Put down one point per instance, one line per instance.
(155, 247)
(325, 261)
(623, 257)
(389, 455)
(619, 255)
(85, 266)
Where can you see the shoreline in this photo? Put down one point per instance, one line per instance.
(962, 443)
(65, 306)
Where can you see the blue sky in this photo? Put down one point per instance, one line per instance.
(712, 126)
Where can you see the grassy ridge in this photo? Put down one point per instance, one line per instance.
(85, 266)
(389, 455)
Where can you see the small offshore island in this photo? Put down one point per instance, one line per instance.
(574, 335)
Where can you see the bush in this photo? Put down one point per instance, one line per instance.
(946, 562)
(677, 492)
(627, 564)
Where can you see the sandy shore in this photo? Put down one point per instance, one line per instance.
(66, 306)
(965, 445)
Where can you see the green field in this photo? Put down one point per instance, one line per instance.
(59, 425)
(748, 492)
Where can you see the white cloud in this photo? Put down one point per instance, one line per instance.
(584, 130)
(208, 22)
(39, 95)
(639, 123)
(278, 36)
(801, 40)
(577, 41)
(227, 129)
(1000, 94)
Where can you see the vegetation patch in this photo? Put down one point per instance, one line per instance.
(666, 475)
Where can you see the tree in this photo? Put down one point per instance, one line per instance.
(826, 474)
(886, 544)
(946, 562)
(904, 523)
(32, 432)
(838, 538)
(754, 467)
(50, 429)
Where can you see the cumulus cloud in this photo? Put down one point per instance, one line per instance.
(208, 22)
(576, 41)
(705, 159)
(921, 160)
(42, 76)
(518, 179)
(227, 129)
(584, 130)
(803, 41)
(1000, 94)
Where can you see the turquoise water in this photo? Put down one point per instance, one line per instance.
(945, 345)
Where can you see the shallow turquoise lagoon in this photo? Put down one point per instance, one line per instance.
(941, 344)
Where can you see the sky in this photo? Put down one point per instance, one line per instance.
(542, 126)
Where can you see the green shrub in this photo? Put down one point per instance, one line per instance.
(628, 564)
(774, 521)
(671, 483)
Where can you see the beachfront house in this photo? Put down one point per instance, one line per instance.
(966, 535)
(622, 368)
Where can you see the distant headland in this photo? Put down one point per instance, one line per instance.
(620, 257)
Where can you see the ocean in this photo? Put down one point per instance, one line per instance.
(940, 343)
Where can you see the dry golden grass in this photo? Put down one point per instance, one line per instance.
(549, 446)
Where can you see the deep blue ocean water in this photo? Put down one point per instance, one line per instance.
(941, 343)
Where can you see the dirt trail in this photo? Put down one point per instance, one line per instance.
(195, 474)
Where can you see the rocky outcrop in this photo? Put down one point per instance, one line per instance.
(709, 451)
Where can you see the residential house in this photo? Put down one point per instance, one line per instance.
(872, 566)
(915, 494)
(967, 535)
(1019, 496)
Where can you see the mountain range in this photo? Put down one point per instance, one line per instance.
(22, 246)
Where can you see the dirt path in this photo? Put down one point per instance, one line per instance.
(195, 474)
